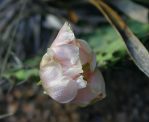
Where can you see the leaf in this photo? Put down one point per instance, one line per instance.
(108, 46)
(135, 48)
(104, 43)
(22, 74)
(143, 30)
(33, 62)
(133, 10)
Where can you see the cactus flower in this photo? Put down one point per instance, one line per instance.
(68, 70)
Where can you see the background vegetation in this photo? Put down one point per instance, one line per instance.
(28, 27)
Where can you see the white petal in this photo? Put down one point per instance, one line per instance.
(50, 52)
(47, 58)
(81, 82)
(95, 89)
(50, 72)
(64, 36)
(73, 71)
(62, 90)
(67, 54)
(84, 45)
(93, 62)
(84, 96)
(97, 84)
(85, 52)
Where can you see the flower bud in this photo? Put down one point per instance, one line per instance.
(68, 70)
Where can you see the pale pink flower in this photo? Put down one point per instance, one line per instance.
(68, 70)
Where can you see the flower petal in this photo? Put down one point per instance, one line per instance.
(66, 54)
(61, 89)
(81, 82)
(50, 72)
(97, 84)
(84, 96)
(95, 89)
(73, 71)
(64, 36)
(93, 62)
(47, 58)
(86, 54)
(84, 46)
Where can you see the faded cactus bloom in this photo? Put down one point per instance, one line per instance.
(68, 70)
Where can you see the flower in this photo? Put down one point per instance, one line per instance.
(68, 70)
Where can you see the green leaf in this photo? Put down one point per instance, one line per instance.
(135, 48)
(106, 44)
(22, 74)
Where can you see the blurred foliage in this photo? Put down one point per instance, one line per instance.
(103, 40)
(29, 70)
(27, 27)
(108, 45)
(143, 2)
(22, 74)
(136, 50)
